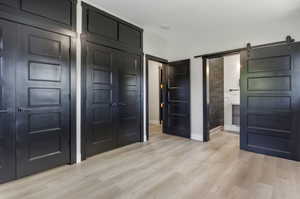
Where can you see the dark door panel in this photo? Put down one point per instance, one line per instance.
(43, 106)
(129, 35)
(177, 99)
(270, 100)
(101, 106)
(56, 10)
(129, 101)
(11, 3)
(7, 80)
(96, 22)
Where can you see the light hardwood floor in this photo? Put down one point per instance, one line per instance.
(167, 167)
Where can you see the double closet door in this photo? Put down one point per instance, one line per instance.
(34, 100)
(113, 99)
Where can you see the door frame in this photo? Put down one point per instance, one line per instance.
(205, 58)
(147, 59)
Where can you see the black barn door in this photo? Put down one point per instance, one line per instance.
(43, 105)
(101, 106)
(177, 99)
(270, 100)
(129, 99)
(7, 122)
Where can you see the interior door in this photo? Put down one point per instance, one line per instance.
(177, 99)
(270, 100)
(7, 80)
(129, 98)
(101, 106)
(43, 106)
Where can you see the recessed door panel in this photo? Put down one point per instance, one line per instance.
(7, 122)
(97, 21)
(100, 92)
(129, 35)
(268, 103)
(45, 47)
(43, 104)
(279, 83)
(44, 71)
(282, 63)
(56, 10)
(129, 130)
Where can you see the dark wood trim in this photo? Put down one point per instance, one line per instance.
(83, 97)
(147, 59)
(205, 105)
(157, 59)
(221, 53)
(73, 100)
(142, 98)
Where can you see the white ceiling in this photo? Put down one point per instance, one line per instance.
(211, 25)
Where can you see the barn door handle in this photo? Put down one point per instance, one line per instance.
(21, 109)
(3, 110)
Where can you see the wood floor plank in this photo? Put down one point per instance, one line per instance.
(167, 167)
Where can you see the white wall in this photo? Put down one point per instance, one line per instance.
(196, 99)
(154, 44)
(78, 83)
(154, 92)
(231, 81)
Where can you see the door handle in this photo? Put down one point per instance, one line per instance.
(114, 104)
(22, 109)
(3, 111)
(122, 104)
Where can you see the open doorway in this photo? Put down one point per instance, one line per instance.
(155, 104)
(222, 89)
(155, 95)
(170, 85)
(224, 94)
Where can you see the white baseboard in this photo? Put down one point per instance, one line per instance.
(154, 122)
(216, 129)
(232, 128)
(197, 137)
